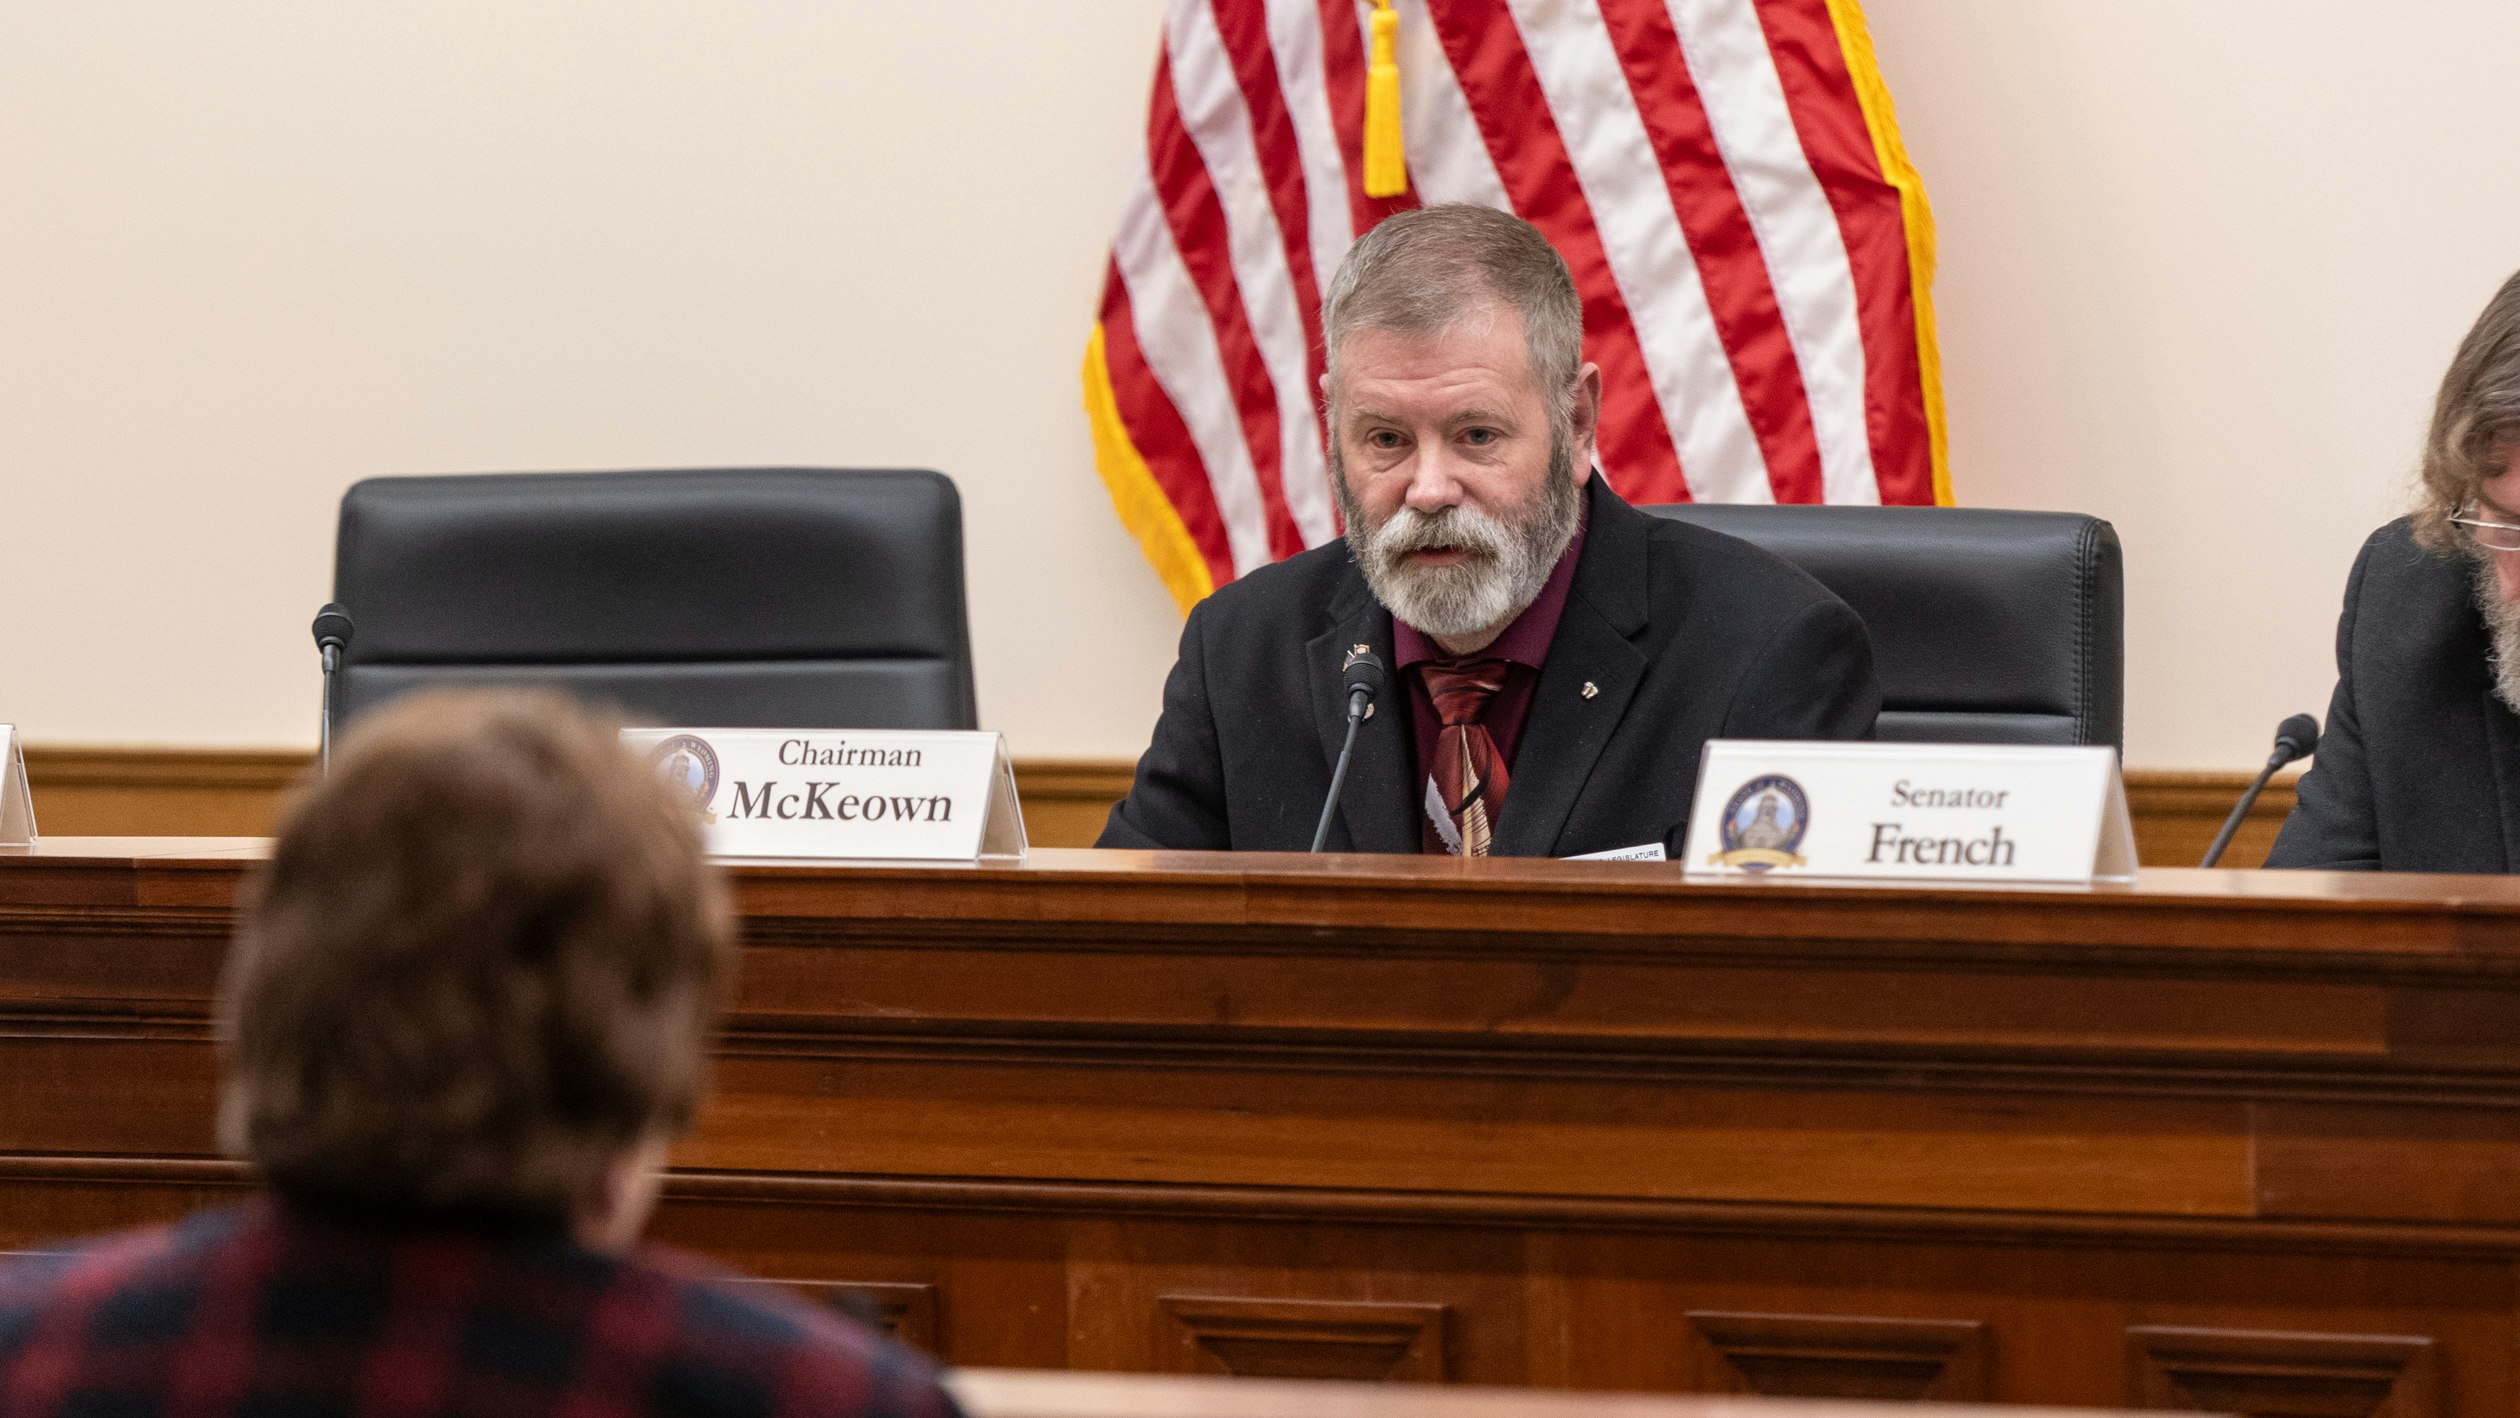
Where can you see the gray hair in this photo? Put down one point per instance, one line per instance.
(2476, 418)
(1421, 272)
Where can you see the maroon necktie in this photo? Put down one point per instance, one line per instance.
(1466, 782)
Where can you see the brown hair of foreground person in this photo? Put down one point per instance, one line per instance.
(481, 968)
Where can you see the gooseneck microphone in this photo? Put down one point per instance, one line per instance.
(2296, 737)
(332, 639)
(1364, 680)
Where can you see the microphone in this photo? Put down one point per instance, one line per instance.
(1364, 681)
(332, 634)
(1364, 674)
(2296, 737)
(332, 638)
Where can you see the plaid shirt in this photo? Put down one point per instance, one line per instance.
(260, 1309)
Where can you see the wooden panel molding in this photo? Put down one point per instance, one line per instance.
(187, 792)
(1360, 1341)
(2276, 1375)
(119, 792)
(906, 1312)
(1067, 800)
(176, 792)
(2177, 814)
(1841, 1356)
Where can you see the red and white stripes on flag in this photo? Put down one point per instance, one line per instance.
(1724, 178)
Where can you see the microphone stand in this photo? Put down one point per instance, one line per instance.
(2296, 738)
(332, 638)
(2240, 812)
(323, 730)
(1363, 674)
(1338, 776)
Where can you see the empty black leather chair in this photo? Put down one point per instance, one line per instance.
(751, 597)
(1987, 626)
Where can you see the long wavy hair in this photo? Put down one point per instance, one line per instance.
(2476, 418)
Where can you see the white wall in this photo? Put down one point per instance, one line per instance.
(252, 251)
(2202, 264)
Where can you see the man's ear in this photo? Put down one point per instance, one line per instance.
(1587, 418)
(612, 1219)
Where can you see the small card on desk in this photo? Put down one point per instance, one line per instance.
(893, 795)
(1966, 812)
(17, 800)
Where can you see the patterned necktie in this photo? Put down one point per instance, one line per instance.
(1466, 783)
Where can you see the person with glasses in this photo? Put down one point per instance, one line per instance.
(2419, 768)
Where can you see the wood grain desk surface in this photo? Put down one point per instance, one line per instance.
(1258, 881)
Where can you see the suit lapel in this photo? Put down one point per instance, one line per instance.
(1376, 813)
(2502, 739)
(1565, 730)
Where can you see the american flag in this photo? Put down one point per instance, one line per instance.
(1724, 178)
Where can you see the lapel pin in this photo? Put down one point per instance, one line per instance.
(1591, 689)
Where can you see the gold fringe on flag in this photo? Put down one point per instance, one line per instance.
(1144, 509)
(1873, 96)
(1386, 163)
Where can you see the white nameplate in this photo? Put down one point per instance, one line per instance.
(17, 800)
(845, 794)
(1642, 852)
(1967, 812)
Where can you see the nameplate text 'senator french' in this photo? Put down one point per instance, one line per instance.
(1927, 812)
(875, 795)
(17, 800)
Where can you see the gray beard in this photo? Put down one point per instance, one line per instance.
(1509, 561)
(2502, 626)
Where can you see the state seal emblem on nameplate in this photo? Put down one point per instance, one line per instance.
(690, 763)
(1763, 823)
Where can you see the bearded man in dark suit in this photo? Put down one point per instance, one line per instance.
(2419, 768)
(1563, 658)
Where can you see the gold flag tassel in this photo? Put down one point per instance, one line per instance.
(1386, 164)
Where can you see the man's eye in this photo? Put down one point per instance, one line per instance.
(1382, 438)
(1478, 437)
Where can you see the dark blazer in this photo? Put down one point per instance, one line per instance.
(1684, 635)
(2419, 766)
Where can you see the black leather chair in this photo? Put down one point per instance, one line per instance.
(1987, 626)
(741, 598)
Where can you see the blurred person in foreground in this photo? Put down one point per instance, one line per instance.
(469, 1004)
(2419, 767)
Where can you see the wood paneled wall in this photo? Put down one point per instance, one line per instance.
(236, 793)
(2241, 1145)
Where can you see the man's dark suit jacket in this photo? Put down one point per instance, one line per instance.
(1681, 634)
(2419, 766)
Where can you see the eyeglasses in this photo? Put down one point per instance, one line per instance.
(2487, 536)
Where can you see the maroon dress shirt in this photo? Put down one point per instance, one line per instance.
(1524, 646)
